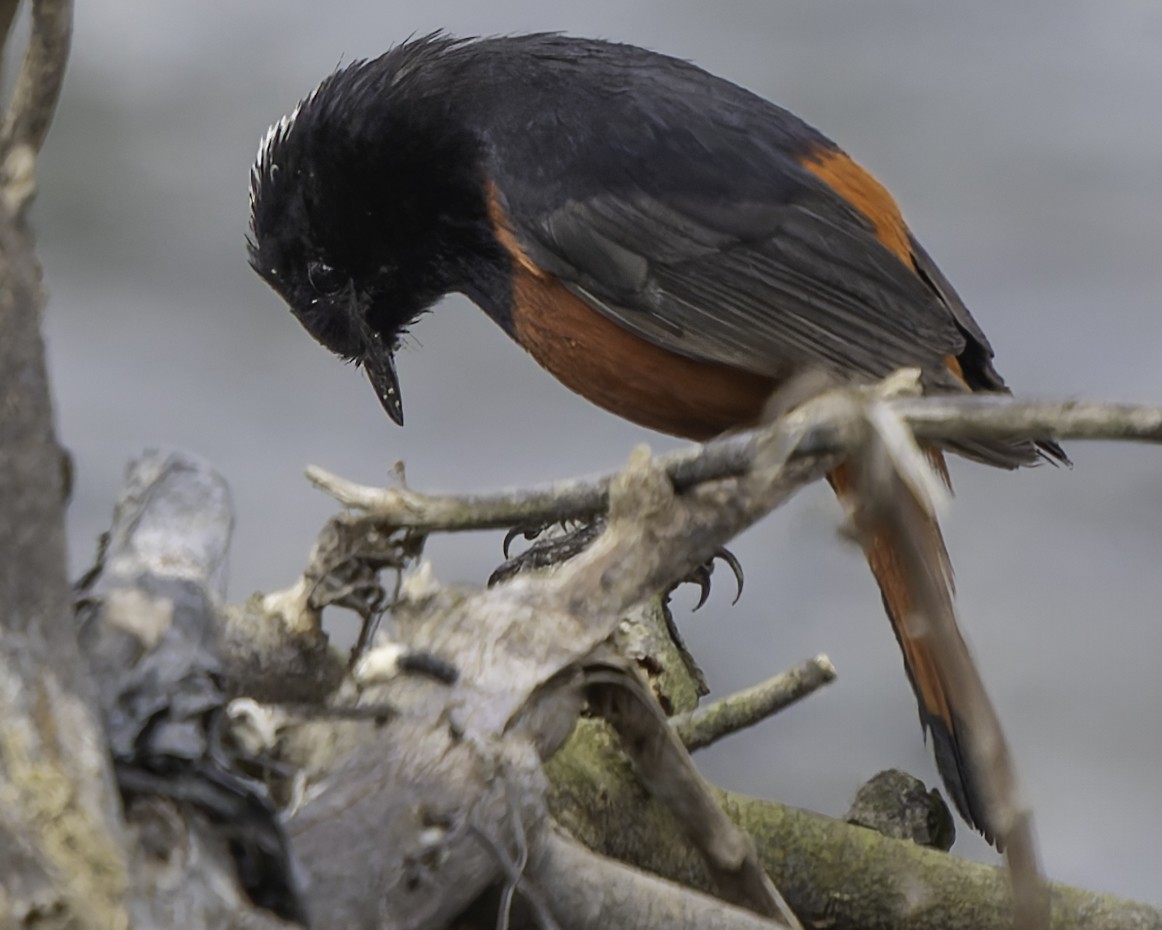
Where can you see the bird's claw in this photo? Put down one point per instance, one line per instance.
(701, 576)
(528, 532)
(545, 552)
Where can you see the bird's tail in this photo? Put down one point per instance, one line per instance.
(938, 712)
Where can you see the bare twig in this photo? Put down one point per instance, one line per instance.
(573, 499)
(41, 75)
(931, 418)
(33, 102)
(706, 725)
(449, 513)
(982, 416)
(539, 629)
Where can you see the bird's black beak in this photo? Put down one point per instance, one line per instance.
(380, 368)
(378, 360)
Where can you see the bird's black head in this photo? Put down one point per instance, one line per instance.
(367, 204)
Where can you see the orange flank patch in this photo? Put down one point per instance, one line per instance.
(952, 363)
(614, 368)
(884, 560)
(855, 185)
(625, 374)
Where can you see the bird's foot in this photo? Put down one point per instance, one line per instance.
(701, 577)
(554, 544)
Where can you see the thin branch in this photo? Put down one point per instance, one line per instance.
(403, 507)
(931, 418)
(706, 725)
(41, 75)
(982, 416)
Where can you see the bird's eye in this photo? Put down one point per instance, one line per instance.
(325, 279)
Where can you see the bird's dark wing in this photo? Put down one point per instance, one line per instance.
(796, 278)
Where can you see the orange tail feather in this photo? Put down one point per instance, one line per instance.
(938, 714)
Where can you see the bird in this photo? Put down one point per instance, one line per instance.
(666, 243)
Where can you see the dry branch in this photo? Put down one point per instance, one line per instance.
(981, 416)
(42, 74)
(703, 727)
(34, 100)
(930, 418)
(467, 751)
(60, 840)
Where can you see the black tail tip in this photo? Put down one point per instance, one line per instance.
(961, 781)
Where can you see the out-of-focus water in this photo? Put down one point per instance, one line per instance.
(1024, 143)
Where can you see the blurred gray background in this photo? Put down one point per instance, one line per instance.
(1025, 144)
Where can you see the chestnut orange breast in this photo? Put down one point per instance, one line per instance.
(624, 373)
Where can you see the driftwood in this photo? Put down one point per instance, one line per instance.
(777, 463)
(148, 625)
(436, 780)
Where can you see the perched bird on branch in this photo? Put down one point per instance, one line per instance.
(668, 245)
